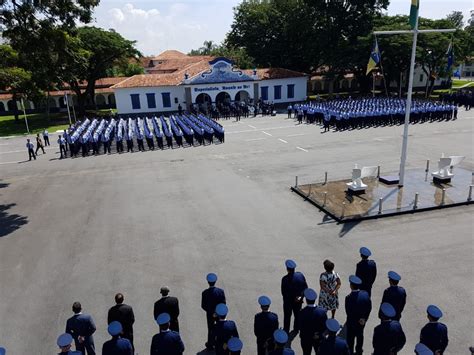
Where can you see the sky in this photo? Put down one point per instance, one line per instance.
(183, 25)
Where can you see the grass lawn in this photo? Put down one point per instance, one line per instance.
(37, 122)
(460, 83)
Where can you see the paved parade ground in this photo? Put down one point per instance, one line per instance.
(84, 229)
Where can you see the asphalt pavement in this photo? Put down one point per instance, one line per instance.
(83, 229)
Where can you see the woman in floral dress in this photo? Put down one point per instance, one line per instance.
(330, 284)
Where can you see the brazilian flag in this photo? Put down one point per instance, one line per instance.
(415, 5)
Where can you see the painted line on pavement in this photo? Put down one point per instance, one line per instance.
(297, 135)
(252, 126)
(267, 129)
(268, 134)
(304, 150)
(282, 140)
(255, 139)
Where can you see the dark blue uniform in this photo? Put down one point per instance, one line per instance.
(358, 306)
(117, 346)
(285, 351)
(292, 286)
(211, 297)
(367, 271)
(388, 338)
(333, 345)
(167, 343)
(435, 336)
(223, 331)
(71, 352)
(312, 324)
(82, 325)
(397, 297)
(264, 325)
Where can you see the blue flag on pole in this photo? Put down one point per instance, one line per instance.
(450, 54)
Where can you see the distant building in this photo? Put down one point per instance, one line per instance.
(174, 78)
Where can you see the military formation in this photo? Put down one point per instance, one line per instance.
(318, 332)
(92, 136)
(344, 114)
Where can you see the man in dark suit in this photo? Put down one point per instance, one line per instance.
(312, 323)
(117, 345)
(395, 295)
(210, 298)
(389, 337)
(166, 342)
(167, 304)
(223, 330)
(358, 307)
(434, 334)
(265, 324)
(366, 270)
(81, 326)
(292, 287)
(123, 314)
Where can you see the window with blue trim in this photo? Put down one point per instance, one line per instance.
(135, 101)
(291, 91)
(166, 99)
(150, 98)
(264, 90)
(277, 92)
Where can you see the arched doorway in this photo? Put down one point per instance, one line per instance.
(112, 100)
(242, 96)
(52, 103)
(100, 100)
(223, 97)
(345, 84)
(11, 105)
(62, 102)
(2, 107)
(203, 99)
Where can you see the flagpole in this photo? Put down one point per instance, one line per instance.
(67, 105)
(24, 115)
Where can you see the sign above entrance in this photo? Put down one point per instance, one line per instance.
(221, 71)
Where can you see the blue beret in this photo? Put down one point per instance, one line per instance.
(355, 280)
(422, 349)
(235, 344)
(290, 264)
(310, 294)
(211, 277)
(264, 301)
(163, 318)
(333, 325)
(2, 351)
(365, 251)
(392, 275)
(115, 328)
(387, 310)
(64, 340)
(280, 336)
(434, 311)
(221, 310)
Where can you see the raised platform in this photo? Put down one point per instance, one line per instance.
(334, 199)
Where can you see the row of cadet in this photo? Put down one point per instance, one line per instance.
(317, 331)
(461, 98)
(367, 112)
(92, 134)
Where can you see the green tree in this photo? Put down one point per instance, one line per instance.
(456, 18)
(91, 55)
(238, 55)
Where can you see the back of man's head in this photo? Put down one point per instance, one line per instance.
(119, 298)
(76, 307)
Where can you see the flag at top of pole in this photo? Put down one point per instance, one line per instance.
(450, 54)
(415, 5)
(374, 59)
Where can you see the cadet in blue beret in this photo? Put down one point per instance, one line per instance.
(312, 323)
(422, 349)
(264, 325)
(166, 342)
(332, 344)
(64, 343)
(358, 307)
(235, 346)
(223, 330)
(280, 338)
(117, 345)
(366, 270)
(395, 295)
(210, 298)
(389, 337)
(434, 334)
(293, 285)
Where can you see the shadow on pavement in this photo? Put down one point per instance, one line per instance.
(10, 222)
(347, 227)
